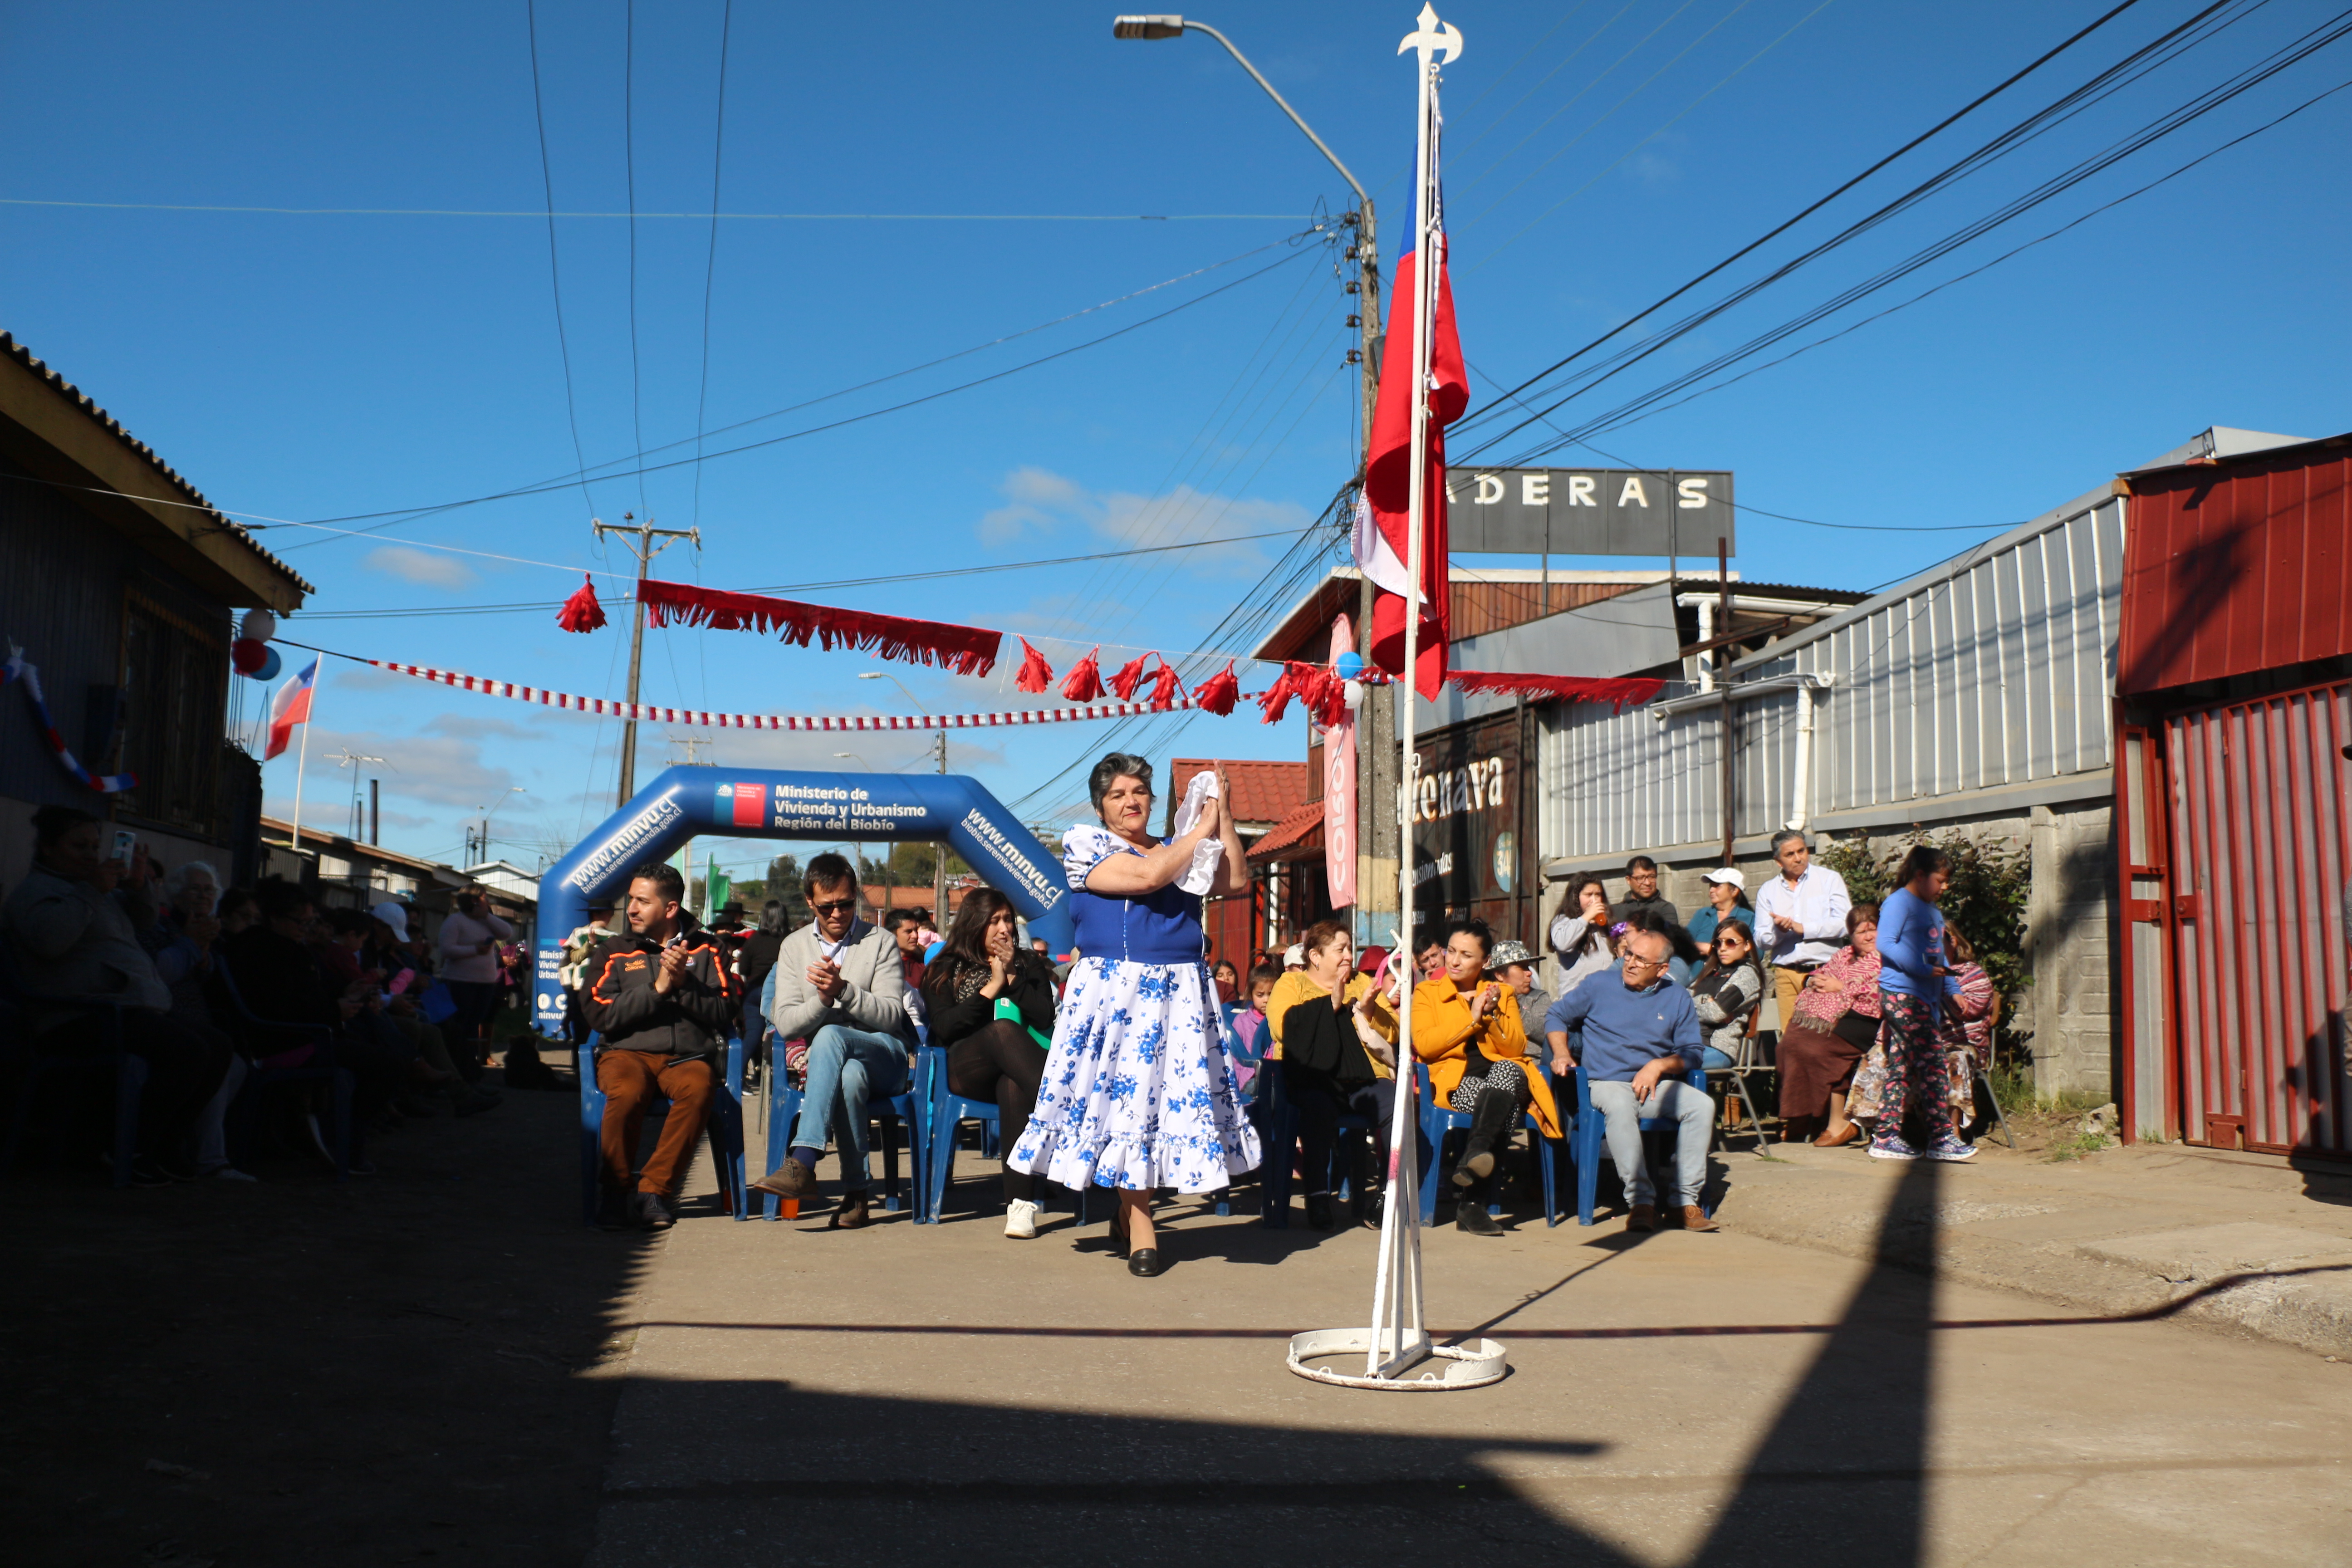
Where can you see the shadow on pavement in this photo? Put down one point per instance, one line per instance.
(828, 1477)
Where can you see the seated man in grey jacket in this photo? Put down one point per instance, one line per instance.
(841, 985)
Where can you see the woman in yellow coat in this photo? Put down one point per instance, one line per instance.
(1466, 1028)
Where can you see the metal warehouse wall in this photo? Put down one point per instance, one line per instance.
(1988, 671)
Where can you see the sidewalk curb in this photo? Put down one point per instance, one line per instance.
(2301, 1300)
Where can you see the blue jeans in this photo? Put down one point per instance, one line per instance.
(1674, 1101)
(847, 1070)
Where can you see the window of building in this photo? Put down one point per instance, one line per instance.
(174, 690)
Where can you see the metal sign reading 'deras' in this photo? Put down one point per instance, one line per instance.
(1588, 511)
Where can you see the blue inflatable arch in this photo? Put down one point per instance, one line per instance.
(685, 803)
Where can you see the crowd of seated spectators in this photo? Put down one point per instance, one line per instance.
(211, 986)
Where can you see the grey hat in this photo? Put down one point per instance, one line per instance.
(1507, 954)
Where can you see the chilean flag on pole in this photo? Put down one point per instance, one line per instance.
(1383, 536)
(291, 707)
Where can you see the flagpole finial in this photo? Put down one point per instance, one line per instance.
(1433, 36)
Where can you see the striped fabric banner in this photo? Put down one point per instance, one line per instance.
(648, 714)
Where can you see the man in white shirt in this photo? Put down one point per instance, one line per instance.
(1799, 917)
(841, 985)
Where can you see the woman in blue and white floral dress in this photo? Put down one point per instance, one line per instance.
(1138, 1093)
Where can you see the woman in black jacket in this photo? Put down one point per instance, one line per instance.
(991, 1003)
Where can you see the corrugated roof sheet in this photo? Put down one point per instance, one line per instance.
(113, 426)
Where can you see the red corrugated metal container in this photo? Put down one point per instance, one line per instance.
(2237, 566)
(2260, 849)
(2233, 817)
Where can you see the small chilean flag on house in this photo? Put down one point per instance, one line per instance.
(751, 805)
(291, 707)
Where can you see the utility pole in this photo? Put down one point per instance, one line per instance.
(940, 858)
(645, 541)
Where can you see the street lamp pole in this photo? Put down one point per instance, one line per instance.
(1367, 249)
(1377, 774)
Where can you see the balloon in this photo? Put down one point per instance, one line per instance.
(1353, 692)
(1349, 666)
(244, 655)
(261, 625)
(271, 665)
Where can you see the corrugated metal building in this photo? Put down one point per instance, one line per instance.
(1973, 692)
(2234, 704)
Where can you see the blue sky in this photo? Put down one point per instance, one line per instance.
(310, 367)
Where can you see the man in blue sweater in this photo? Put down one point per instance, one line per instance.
(1641, 1037)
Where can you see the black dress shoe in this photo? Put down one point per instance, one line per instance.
(1318, 1210)
(1474, 1218)
(1144, 1262)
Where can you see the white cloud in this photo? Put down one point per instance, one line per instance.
(419, 566)
(1043, 502)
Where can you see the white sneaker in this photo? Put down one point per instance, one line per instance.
(1021, 1219)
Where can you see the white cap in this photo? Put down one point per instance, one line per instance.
(1732, 875)
(394, 915)
(1295, 956)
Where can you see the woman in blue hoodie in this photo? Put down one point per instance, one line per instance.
(1919, 995)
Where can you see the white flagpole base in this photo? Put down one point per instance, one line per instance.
(1471, 1364)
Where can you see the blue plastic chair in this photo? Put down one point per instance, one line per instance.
(724, 1127)
(1437, 1120)
(1587, 1142)
(899, 1114)
(1277, 1123)
(342, 1082)
(130, 1071)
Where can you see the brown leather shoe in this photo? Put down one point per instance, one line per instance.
(1695, 1218)
(1839, 1140)
(790, 1179)
(851, 1215)
(1643, 1217)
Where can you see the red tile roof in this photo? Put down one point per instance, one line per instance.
(1298, 836)
(1262, 792)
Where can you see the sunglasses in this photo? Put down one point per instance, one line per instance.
(836, 907)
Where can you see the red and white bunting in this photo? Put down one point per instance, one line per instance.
(650, 713)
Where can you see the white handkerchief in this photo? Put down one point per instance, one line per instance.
(1201, 874)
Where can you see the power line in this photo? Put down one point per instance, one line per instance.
(696, 217)
(554, 271)
(1808, 211)
(2163, 125)
(516, 607)
(1962, 278)
(542, 487)
(711, 255)
(1611, 111)
(629, 166)
(1670, 121)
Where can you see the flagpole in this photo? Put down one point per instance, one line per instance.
(1400, 1338)
(302, 757)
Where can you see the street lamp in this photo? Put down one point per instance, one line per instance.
(938, 850)
(1367, 249)
(1377, 720)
